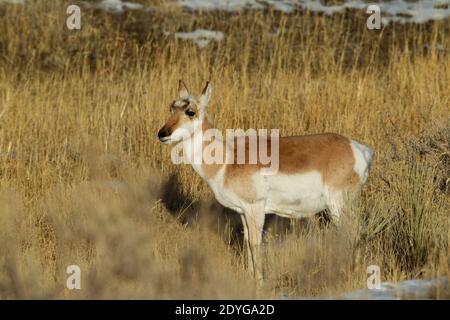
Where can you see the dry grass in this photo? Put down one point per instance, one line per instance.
(83, 179)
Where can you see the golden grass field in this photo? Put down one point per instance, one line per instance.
(85, 181)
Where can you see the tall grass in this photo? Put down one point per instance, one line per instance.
(83, 179)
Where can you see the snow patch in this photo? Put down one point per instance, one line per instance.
(201, 37)
(391, 11)
(113, 6)
(408, 289)
(223, 5)
(13, 1)
(117, 6)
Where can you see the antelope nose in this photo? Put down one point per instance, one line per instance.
(162, 134)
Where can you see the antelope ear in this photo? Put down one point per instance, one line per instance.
(183, 91)
(206, 95)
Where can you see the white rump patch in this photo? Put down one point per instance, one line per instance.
(363, 159)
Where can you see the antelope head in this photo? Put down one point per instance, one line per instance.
(187, 114)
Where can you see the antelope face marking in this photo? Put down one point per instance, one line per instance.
(181, 123)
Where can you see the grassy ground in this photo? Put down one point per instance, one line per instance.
(83, 179)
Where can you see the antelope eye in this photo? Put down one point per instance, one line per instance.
(190, 113)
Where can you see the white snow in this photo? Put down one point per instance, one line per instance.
(392, 11)
(117, 6)
(201, 37)
(13, 1)
(408, 289)
(224, 5)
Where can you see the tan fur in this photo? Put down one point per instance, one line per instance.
(177, 118)
(238, 176)
(171, 124)
(330, 154)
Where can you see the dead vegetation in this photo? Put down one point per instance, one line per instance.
(83, 179)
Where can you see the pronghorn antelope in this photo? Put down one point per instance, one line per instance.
(315, 172)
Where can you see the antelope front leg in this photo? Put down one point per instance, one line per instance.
(253, 221)
(246, 246)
